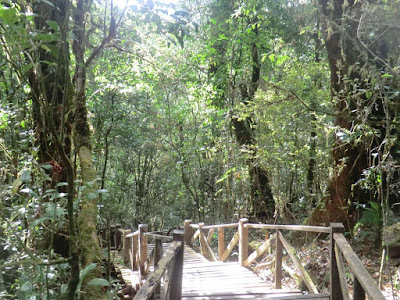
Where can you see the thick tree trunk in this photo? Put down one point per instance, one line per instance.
(335, 206)
(82, 140)
(52, 95)
(262, 205)
(348, 63)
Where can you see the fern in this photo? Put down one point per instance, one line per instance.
(371, 217)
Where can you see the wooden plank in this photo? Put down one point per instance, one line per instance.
(134, 252)
(243, 241)
(365, 279)
(231, 245)
(335, 286)
(342, 274)
(221, 242)
(142, 251)
(257, 296)
(261, 250)
(132, 234)
(150, 285)
(177, 269)
(205, 247)
(195, 236)
(188, 232)
(231, 225)
(318, 229)
(206, 227)
(304, 274)
(165, 238)
(126, 245)
(278, 262)
(358, 291)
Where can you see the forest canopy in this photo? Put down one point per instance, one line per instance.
(152, 112)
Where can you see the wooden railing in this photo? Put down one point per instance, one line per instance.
(166, 280)
(363, 282)
(134, 245)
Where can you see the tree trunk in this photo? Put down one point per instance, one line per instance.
(262, 205)
(52, 95)
(355, 72)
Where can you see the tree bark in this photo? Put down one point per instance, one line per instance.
(352, 71)
(262, 205)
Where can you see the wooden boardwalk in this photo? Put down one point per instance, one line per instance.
(205, 280)
(227, 280)
(181, 273)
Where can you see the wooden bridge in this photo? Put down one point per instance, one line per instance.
(170, 268)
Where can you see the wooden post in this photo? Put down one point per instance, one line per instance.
(221, 242)
(358, 291)
(188, 232)
(278, 262)
(118, 236)
(243, 241)
(210, 235)
(158, 253)
(336, 291)
(113, 240)
(176, 284)
(142, 251)
(202, 238)
(134, 252)
(126, 245)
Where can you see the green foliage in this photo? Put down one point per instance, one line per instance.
(371, 216)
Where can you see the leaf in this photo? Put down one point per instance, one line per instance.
(64, 288)
(53, 25)
(26, 190)
(16, 185)
(98, 282)
(86, 270)
(92, 196)
(26, 287)
(62, 184)
(47, 2)
(38, 221)
(26, 176)
(8, 15)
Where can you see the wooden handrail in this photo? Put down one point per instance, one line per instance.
(317, 229)
(232, 225)
(170, 266)
(153, 282)
(363, 282)
(158, 236)
(360, 273)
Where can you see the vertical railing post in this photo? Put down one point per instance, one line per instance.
(336, 290)
(112, 237)
(176, 284)
(126, 245)
(142, 251)
(158, 253)
(118, 236)
(188, 232)
(243, 241)
(202, 238)
(221, 242)
(134, 252)
(278, 261)
(358, 291)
